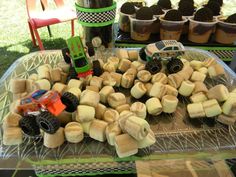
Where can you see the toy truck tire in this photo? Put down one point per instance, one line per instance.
(174, 65)
(65, 51)
(90, 49)
(142, 54)
(70, 101)
(72, 74)
(29, 125)
(48, 122)
(154, 66)
(97, 69)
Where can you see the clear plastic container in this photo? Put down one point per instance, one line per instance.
(171, 30)
(156, 25)
(186, 25)
(124, 21)
(225, 32)
(200, 32)
(141, 29)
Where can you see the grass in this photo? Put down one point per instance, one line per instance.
(15, 36)
(15, 40)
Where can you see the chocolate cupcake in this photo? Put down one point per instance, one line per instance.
(226, 30)
(141, 24)
(201, 26)
(164, 4)
(126, 10)
(215, 7)
(157, 12)
(172, 25)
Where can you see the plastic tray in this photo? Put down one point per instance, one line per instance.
(177, 136)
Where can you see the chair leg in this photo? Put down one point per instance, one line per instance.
(38, 39)
(72, 28)
(32, 34)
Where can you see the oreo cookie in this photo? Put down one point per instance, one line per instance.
(144, 13)
(214, 6)
(204, 15)
(186, 8)
(173, 15)
(231, 19)
(165, 4)
(157, 10)
(128, 8)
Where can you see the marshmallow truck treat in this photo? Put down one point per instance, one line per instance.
(113, 103)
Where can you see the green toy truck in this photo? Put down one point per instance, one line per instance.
(75, 55)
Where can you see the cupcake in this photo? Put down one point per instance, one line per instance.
(126, 10)
(141, 24)
(157, 12)
(171, 25)
(226, 30)
(215, 7)
(187, 9)
(165, 4)
(201, 26)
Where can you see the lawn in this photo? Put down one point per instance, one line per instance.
(15, 39)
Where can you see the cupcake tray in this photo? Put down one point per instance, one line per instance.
(224, 52)
(177, 136)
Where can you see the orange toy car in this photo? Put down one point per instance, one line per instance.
(41, 108)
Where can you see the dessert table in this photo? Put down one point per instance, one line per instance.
(176, 140)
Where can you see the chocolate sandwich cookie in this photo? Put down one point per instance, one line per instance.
(128, 8)
(186, 8)
(231, 19)
(204, 15)
(165, 4)
(173, 15)
(214, 6)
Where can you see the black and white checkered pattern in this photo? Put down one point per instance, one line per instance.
(91, 17)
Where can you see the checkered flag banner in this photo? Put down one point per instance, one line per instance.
(96, 17)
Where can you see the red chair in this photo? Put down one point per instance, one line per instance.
(38, 19)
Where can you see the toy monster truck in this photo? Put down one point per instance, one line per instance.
(41, 108)
(76, 56)
(167, 51)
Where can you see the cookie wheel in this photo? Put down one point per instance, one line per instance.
(90, 49)
(153, 66)
(142, 54)
(72, 74)
(174, 65)
(48, 122)
(97, 69)
(29, 125)
(65, 53)
(70, 101)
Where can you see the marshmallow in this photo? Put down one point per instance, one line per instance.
(159, 77)
(110, 115)
(112, 130)
(139, 109)
(12, 136)
(186, 88)
(116, 99)
(100, 110)
(138, 90)
(96, 81)
(195, 110)
(154, 106)
(54, 140)
(85, 113)
(74, 132)
(211, 108)
(97, 130)
(218, 92)
(56, 75)
(144, 75)
(198, 97)
(197, 76)
(17, 85)
(169, 103)
(124, 65)
(89, 98)
(158, 90)
(75, 83)
(105, 92)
